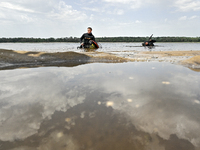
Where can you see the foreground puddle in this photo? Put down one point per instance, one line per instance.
(140, 106)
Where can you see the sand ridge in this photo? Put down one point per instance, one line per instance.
(20, 59)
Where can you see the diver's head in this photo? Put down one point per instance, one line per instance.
(89, 30)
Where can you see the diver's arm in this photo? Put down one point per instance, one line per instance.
(151, 37)
(93, 38)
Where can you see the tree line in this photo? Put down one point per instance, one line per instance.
(99, 39)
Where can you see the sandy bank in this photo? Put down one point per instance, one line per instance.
(173, 53)
(193, 62)
(15, 59)
(190, 59)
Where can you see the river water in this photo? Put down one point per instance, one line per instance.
(140, 106)
(107, 47)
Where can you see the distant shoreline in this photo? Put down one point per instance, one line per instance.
(99, 39)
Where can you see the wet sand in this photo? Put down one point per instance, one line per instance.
(18, 59)
(173, 53)
(194, 62)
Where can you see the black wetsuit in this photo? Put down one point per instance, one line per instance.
(87, 37)
(151, 42)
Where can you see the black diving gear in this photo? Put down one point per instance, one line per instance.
(150, 42)
(87, 39)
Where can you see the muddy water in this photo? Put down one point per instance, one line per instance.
(107, 47)
(140, 106)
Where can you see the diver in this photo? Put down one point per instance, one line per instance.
(150, 42)
(87, 39)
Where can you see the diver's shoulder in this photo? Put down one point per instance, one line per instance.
(87, 34)
(84, 34)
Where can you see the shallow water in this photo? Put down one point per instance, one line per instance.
(140, 106)
(107, 47)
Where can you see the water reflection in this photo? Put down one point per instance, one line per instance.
(100, 106)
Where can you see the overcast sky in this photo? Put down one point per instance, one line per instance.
(63, 18)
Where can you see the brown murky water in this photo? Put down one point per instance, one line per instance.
(117, 48)
(140, 106)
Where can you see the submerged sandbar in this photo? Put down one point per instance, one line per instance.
(17, 59)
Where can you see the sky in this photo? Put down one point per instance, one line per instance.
(64, 18)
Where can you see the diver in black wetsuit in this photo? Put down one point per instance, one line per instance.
(150, 42)
(87, 38)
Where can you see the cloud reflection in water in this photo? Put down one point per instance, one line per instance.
(30, 97)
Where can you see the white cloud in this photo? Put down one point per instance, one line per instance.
(193, 17)
(103, 10)
(116, 12)
(66, 12)
(8, 5)
(91, 17)
(120, 12)
(60, 18)
(58, 10)
(120, 1)
(188, 5)
(137, 21)
(183, 18)
(39, 18)
(134, 4)
(2, 15)
(187, 18)
(93, 9)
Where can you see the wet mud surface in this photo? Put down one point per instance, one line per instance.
(10, 59)
(17, 59)
(140, 106)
